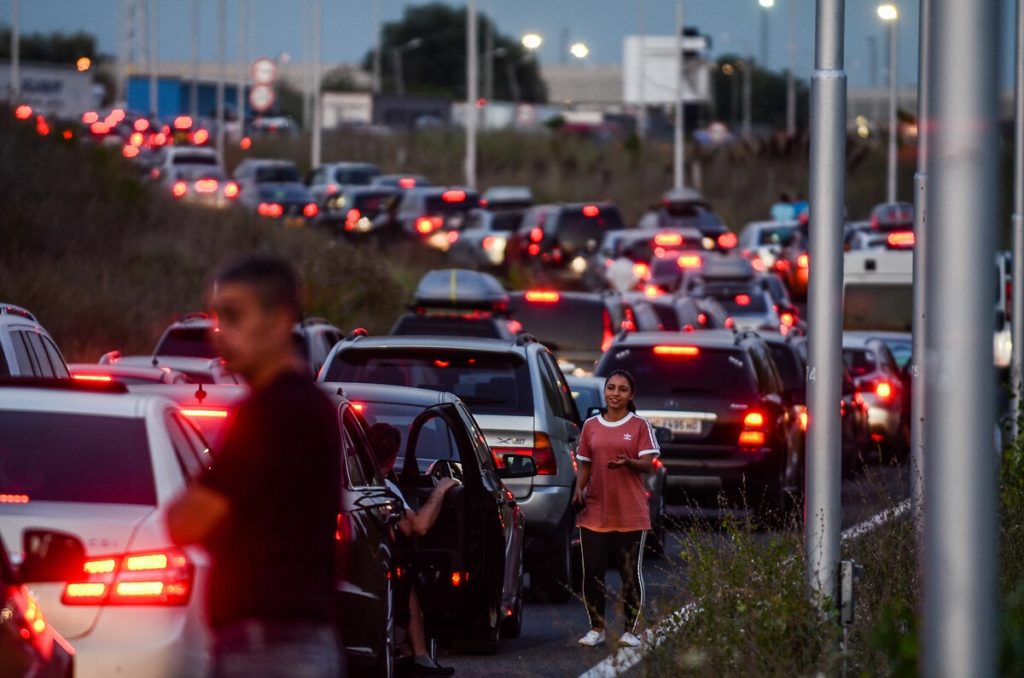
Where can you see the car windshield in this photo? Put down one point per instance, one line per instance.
(738, 300)
(778, 235)
(51, 456)
(361, 176)
(860, 361)
(194, 159)
(187, 342)
(709, 371)
(880, 307)
(434, 442)
(489, 383)
(277, 174)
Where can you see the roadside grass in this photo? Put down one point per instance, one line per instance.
(106, 263)
(753, 616)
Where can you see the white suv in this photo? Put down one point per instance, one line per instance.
(26, 349)
(103, 466)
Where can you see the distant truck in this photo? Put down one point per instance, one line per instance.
(878, 295)
(59, 91)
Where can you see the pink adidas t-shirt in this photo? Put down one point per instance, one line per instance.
(616, 498)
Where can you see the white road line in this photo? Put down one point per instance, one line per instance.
(628, 657)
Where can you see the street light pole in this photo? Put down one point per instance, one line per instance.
(15, 86)
(890, 14)
(222, 29)
(790, 75)
(748, 98)
(679, 136)
(1017, 298)
(194, 88)
(960, 628)
(377, 46)
(825, 295)
(766, 6)
(152, 32)
(316, 137)
(472, 88)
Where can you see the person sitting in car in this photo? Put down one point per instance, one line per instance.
(386, 442)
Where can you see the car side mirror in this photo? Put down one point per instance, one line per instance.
(662, 435)
(517, 466)
(51, 556)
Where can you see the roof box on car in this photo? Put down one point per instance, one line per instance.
(460, 288)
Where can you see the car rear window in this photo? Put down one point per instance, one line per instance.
(187, 342)
(880, 307)
(563, 325)
(575, 227)
(860, 361)
(277, 175)
(447, 326)
(506, 221)
(436, 204)
(489, 383)
(355, 177)
(372, 203)
(711, 371)
(194, 159)
(738, 300)
(51, 456)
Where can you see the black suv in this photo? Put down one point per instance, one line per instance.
(561, 238)
(723, 399)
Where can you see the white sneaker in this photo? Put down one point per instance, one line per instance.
(629, 640)
(592, 639)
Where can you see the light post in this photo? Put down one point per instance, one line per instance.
(766, 5)
(531, 41)
(889, 13)
(679, 132)
(396, 55)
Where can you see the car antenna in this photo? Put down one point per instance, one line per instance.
(200, 394)
(155, 362)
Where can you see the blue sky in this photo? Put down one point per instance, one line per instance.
(734, 26)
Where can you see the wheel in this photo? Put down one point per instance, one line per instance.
(553, 571)
(512, 627)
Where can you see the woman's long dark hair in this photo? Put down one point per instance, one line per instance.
(631, 406)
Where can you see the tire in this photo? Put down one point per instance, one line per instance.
(552, 572)
(512, 627)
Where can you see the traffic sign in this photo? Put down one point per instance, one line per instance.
(261, 98)
(263, 71)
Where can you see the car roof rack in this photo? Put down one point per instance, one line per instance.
(11, 309)
(357, 333)
(64, 384)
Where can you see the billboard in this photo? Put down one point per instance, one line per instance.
(649, 66)
(54, 90)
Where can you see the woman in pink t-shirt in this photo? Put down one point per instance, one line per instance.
(617, 448)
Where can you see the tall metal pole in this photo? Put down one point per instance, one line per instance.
(15, 85)
(960, 612)
(1017, 299)
(243, 62)
(377, 47)
(152, 31)
(893, 123)
(876, 115)
(317, 131)
(194, 89)
(825, 295)
(489, 63)
(123, 9)
(790, 74)
(765, 37)
(472, 86)
(679, 138)
(748, 98)
(641, 117)
(917, 375)
(222, 29)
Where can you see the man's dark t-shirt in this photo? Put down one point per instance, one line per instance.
(280, 469)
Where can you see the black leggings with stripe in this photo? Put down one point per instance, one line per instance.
(627, 548)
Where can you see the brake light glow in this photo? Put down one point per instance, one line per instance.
(653, 292)
(607, 336)
(200, 137)
(802, 261)
(141, 125)
(752, 434)
(753, 420)
(454, 196)
(97, 378)
(358, 407)
(884, 390)
(536, 234)
(206, 186)
(23, 112)
(270, 209)
(727, 240)
(542, 296)
(533, 249)
(751, 438)
(458, 578)
(14, 498)
(803, 418)
(42, 127)
(231, 190)
(591, 211)
(179, 189)
(901, 239)
(676, 350)
(407, 182)
(245, 144)
(151, 578)
(668, 240)
(427, 225)
(641, 271)
(183, 122)
(689, 261)
(99, 127)
(310, 210)
(742, 299)
(205, 412)
(89, 117)
(787, 318)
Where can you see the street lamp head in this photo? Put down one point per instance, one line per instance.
(83, 64)
(888, 12)
(728, 69)
(579, 50)
(767, 4)
(532, 41)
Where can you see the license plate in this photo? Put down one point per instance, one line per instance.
(690, 426)
(294, 222)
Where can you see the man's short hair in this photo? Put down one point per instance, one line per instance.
(275, 281)
(386, 442)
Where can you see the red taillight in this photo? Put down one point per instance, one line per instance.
(676, 350)
(542, 296)
(460, 578)
(14, 498)
(205, 412)
(89, 117)
(536, 234)
(689, 261)
(358, 407)
(270, 209)
(454, 196)
(200, 137)
(884, 390)
(141, 125)
(752, 434)
(407, 182)
(788, 319)
(803, 418)
(629, 320)
(591, 211)
(310, 210)
(533, 249)
(42, 127)
(751, 439)
(179, 189)
(245, 144)
(753, 420)
(352, 218)
(136, 139)
(668, 240)
(183, 122)
(543, 455)
(901, 239)
(149, 578)
(97, 378)
(427, 225)
(206, 186)
(653, 292)
(742, 299)
(99, 127)
(727, 240)
(802, 261)
(231, 190)
(130, 151)
(641, 271)
(23, 112)
(607, 336)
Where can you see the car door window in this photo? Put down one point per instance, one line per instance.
(5, 369)
(362, 457)
(197, 442)
(35, 343)
(191, 466)
(60, 368)
(556, 390)
(28, 362)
